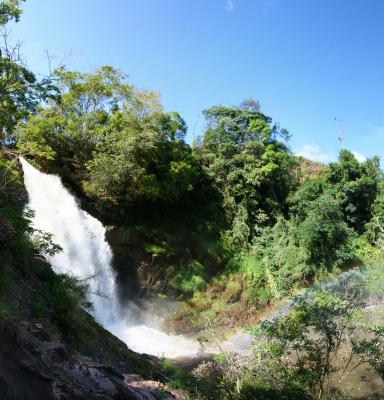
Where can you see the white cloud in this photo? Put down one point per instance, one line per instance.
(359, 157)
(314, 153)
(229, 6)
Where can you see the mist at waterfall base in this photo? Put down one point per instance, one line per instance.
(87, 255)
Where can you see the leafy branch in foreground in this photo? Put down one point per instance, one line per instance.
(42, 242)
(371, 349)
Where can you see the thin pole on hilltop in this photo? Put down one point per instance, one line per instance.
(340, 128)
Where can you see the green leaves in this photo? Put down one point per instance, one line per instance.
(371, 348)
(148, 164)
(10, 10)
(20, 95)
(21, 92)
(236, 125)
(70, 127)
(43, 243)
(323, 230)
(133, 151)
(357, 185)
(252, 169)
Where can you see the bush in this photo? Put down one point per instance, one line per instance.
(67, 302)
(190, 278)
(306, 343)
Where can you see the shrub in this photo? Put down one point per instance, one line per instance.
(306, 343)
(190, 278)
(68, 300)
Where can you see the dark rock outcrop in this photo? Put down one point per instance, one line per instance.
(35, 365)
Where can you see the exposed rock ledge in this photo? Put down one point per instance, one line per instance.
(34, 365)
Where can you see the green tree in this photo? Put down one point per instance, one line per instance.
(20, 90)
(114, 141)
(68, 128)
(230, 124)
(10, 10)
(145, 162)
(313, 240)
(308, 342)
(251, 167)
(370, 349)
(285, 264)
(323, 232)
(357, 185)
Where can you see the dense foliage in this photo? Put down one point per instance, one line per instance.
(115, 140)
(251, 167)
(283, 221)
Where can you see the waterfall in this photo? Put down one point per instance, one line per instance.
(87, 255)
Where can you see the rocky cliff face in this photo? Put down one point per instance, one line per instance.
(35, 365)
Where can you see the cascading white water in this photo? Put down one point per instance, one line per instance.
(87, 255)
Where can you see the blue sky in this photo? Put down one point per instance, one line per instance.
(306, 61)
